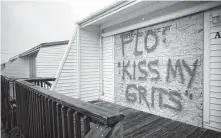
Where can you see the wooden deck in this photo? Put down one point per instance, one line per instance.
(139, 124)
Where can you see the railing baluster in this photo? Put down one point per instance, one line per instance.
(46, 117)
(70, 123)
(54, 120)
(77, 124)
(35, 116)
(31, 115)
(64, 121)
(50, 118)
(59, 121)
(86, 125)
(40, 115)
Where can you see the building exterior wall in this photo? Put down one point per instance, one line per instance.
(79, 76)
(214, 85)
(107, 69)
(67, 79)
(159, 69)
(48, 60)
(89, 70)
(18, 68)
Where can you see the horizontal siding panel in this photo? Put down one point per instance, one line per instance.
(215, 83)
(215, 71)
(215, 59)
(215, 41)
(216, 95)
(215, 53)
(215, 89)
(215, 113)
(215, 65)
(215, 107)
(215, 77)
(215, 101)
(215, 47)
(215, 29)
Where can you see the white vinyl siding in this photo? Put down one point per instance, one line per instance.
(89, 64)
(18, 68)
(49, 59)
(107, 69)
(67, 81)
(215, 74)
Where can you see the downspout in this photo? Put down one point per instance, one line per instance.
(101, 68)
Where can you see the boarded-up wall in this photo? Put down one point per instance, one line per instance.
(49, 59)
(159, 69)
(18, 68)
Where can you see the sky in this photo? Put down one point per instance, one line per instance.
(25, 24)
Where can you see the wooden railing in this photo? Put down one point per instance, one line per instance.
(8, 103)
(42, 113)
(8, 98)
(43, 82)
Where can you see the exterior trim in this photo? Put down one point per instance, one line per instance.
(118, 6)
(113, 82)
(101, 67)
(171, 16)
(63, 61)
(206, 69)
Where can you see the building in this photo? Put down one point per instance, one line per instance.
(3, 66)
(161, 57)
(41, 61)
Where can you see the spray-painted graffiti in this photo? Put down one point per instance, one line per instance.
(160, 67)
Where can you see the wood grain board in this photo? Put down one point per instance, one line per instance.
(138, 124)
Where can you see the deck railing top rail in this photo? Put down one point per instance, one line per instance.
(96, 113)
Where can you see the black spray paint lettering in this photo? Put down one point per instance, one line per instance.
(142, 95)
(154, 46)
(125, 71)
(134, 70)
(217, 35)
(124, 41)
(174, 71)
(191, 72)
(131, 97)
(154, 63)
(136, 52)
(142, 78)
(172, 94)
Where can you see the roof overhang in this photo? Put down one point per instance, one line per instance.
(106, 12)
(37, 48)
(126, 11)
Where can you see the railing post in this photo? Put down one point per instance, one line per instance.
(86, 125)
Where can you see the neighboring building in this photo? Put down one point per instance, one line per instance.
(161, 57)
(40, 61)
(3, 66)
